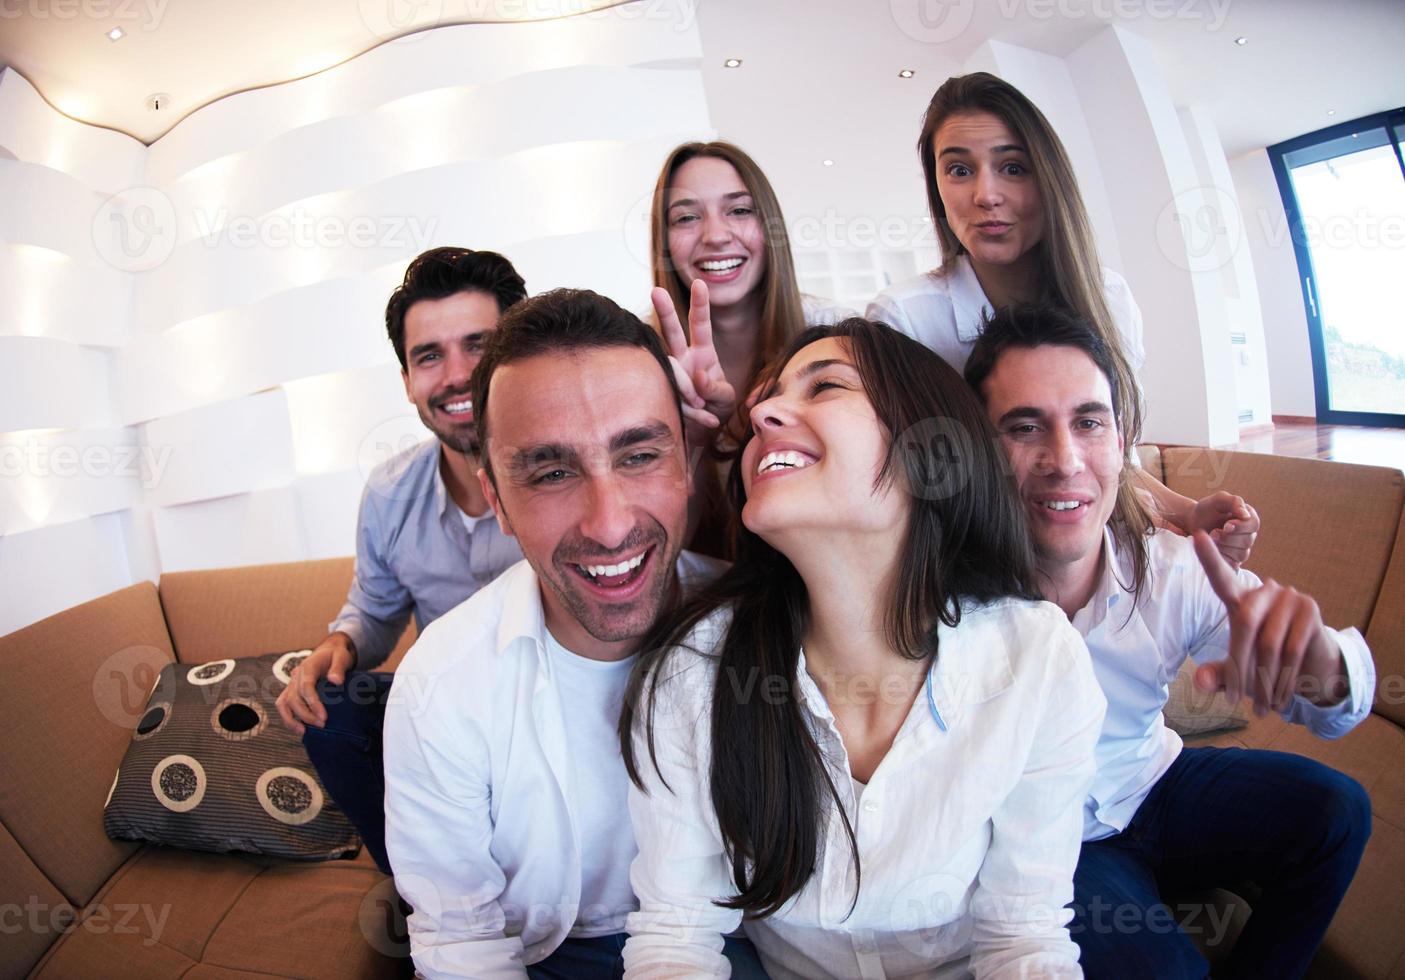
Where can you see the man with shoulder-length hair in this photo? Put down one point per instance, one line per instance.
(506, 815)
(1160, 817)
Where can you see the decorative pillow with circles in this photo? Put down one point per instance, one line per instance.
(212, 767)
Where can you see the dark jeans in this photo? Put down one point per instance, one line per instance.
(348, 756)
(602, 958)
(1217, 818)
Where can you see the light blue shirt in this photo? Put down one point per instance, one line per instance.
(415, 552)
(1137, 652)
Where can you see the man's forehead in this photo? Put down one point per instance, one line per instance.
(580, 398)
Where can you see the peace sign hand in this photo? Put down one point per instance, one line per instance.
(708, 398)
(1276, 639)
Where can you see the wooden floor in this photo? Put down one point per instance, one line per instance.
(1345, 443)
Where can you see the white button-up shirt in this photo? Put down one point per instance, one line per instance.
(946, 313)
(1137, 652)
(481, 788)
(968, 830)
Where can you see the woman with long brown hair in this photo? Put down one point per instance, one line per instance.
(868, 743)
(722, 265)
(1013, 228)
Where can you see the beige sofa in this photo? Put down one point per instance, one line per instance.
(1334, 530)
(79, 681)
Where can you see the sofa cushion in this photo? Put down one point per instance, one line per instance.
(77, 684)
(212, 767)
(184, 914)
(245, 612)
(1328, 528)
(1149, 455)
(1386, 637)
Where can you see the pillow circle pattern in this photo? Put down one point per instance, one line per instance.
(211, 767)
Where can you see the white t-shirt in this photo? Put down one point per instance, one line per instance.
(592, 693)
(946, 313)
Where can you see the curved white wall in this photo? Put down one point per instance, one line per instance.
(212, 306)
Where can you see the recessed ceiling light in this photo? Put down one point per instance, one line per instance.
(906, 73)
(1241, 41)
(732, 63)
(1331, 112)
(828, 163)
(116, 34)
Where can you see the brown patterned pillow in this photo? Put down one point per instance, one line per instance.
(1190, 711)
(212, 767)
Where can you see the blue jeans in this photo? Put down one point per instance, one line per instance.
(348, 756)
(1217, 818)
(602, 958)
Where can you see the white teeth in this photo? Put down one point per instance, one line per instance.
(456, 407)
(720, 265)
(786, 458)
(1061, 504)
(611, 570)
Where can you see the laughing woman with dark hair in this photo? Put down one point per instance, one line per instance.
(868, 743)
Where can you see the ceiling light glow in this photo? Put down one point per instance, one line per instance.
(732, 63)
(116, 34)
(906, 73)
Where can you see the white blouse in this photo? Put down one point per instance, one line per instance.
(968, 831)
(946, 313)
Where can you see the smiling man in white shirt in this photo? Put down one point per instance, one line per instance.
(506, 816)
(1159, 817)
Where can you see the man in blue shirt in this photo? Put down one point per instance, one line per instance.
(426, 539)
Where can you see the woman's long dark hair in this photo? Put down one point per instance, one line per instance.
(966, 541)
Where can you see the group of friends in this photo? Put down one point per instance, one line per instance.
(757, 638)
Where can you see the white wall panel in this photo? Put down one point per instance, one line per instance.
(331, 326)
(247, 529)
(52, 384)
(470, 54)
(50, 209)
(352, 420)
(49, 294)
(559, 189)
(50, 569)
(488, 123)
(33, 132)
(327, 508)
(56, 476)
(228, 448)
